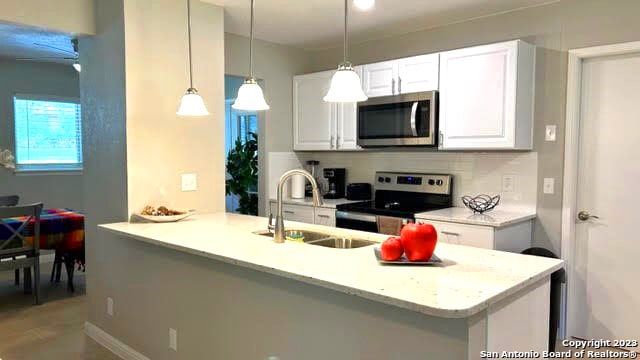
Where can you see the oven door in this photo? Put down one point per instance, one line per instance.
(356, 221)
(401, 120)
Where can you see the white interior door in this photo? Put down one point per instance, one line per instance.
(605, 287)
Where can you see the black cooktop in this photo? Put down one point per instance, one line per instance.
(399, 204)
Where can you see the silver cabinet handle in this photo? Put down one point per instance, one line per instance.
(584, 216)
(339, 142)
(440, 138)
(289, 212)
(324, 216)
(450, 233)
(414, 110)
(393, 86)
(399, 85)
(332, 142)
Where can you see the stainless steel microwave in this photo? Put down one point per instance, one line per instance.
(399, 120)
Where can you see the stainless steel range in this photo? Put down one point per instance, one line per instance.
(398, 197)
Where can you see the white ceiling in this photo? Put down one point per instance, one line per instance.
(317, 24)
(20, 42)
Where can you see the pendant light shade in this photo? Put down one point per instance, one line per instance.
(192, 103)
(345, 84)
(250, 95)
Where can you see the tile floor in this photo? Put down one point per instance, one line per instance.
(51, 331)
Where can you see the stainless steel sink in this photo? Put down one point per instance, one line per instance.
(342, 243)
(322, 239)
(308, 235)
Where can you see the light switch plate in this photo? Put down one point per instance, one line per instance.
(173, 339)
(550, 133)
(109, 306)
(189, 182)
(549, 184)
(508, 183)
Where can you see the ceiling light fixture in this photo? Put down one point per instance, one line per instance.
(364, 4)
(345, 84)
(250, 95)
(192, 103)
(78, 67)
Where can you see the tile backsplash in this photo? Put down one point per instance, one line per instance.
(474, 173)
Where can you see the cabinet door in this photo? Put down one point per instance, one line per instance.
(313, 118)
(418, 73)
(325, 216)
(379, 79)
(478, 97)
(462, 234)
(300, 213)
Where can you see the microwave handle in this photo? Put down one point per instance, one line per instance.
(414, 111)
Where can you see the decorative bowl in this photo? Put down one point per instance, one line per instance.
(481, 203)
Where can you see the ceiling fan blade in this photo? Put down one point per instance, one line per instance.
(55, 48)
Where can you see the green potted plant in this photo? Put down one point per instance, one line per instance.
(242, 167)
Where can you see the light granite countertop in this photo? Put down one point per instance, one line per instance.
(461, 215)
(469, 280)
(327, 203)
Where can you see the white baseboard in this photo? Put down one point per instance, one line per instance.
(114, 345)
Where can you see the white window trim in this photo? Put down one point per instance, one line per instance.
(52, 168)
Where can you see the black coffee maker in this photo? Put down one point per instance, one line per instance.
(337, 179)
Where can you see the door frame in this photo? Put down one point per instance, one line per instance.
(572, 140)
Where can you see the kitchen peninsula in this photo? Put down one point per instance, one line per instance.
(256, 299)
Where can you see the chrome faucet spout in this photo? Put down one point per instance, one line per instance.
(279, 232)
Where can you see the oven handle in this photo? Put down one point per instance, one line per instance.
(356, 216)
(414, 110)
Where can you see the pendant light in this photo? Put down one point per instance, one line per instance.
(250, 96)
(345, 84)
(192, 103)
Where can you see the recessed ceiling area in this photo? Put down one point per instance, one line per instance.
(318, 24)
(20, 42)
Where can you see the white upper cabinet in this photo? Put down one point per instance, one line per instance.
(418, 73)
(486, 97)
(403, 76)
(379, 79)
(319, 125)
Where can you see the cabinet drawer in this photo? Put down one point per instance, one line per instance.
(325, 216)
(462, 234)
(298, 213)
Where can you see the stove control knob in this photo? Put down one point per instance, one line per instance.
(439, 182)
(380, 179)
(387, 179)
(431, 182)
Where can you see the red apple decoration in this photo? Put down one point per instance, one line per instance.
(391, 249)
(419, 241)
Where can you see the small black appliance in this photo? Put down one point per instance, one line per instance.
(337, 179)
(359, 191)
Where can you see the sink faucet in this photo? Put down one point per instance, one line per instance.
(278, 235)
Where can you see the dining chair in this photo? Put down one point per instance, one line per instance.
(15, 246)
(11, 200)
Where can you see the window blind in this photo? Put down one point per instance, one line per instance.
(48, 132)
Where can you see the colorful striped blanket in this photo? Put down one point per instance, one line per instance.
(60, 229)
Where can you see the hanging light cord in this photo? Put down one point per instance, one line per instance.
(251, 42)
(190, 54)
(346, 14)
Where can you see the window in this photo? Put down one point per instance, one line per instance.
(48, 133)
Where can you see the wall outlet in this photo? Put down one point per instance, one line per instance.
(508, 183)
(189, 182)
(549, 184)
(173, 339)
(109, 306)
(550, 133)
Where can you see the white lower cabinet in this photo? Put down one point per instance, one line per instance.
(306, 214)
(513, 238)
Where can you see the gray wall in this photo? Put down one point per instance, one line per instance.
(39, 79)
(275, 65)
(554, 29)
